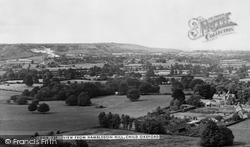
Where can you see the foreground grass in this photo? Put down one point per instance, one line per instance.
(164, 141)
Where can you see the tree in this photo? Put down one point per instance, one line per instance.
(71, 100)
(102, 120)
(179, 95)
(61, 95)
(26, 92)
(150, 73)
(21, 101)
(35, 101)
(195, 101)
(185, 80)
(176, 85)
(32, 107)
(228, 137)
(28, 80)
(145, 88)
(213, 135)
(133, 94)
(83, 99)
(43, 108)
(123, 88)
(205, 90)
(194, 82)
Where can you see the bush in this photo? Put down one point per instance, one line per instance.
(35, 101)
(133, 94)
(36, 134)
(14, 97)
(8, 101)
(213, 135)
(43, 108)
(32, 107)
(71, 100)
(21, 101)
(83, 99)
(236, 116)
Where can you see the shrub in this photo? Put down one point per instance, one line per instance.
(14, 97)
(133, 94)
(21, 101)
(218, 117)
(236, 116)
(35, 101)
(43, 108)
(32, 107)
(8, 101)
(71, 100)
(83, 99)
(36, 134)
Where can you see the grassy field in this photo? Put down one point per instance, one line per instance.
(164, 141)
(241, 131)
(16, 119)
(18, 87)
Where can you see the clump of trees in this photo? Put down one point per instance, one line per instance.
(151, 126)
(133, 94)
(114, 121)
(195, 100)
(178, 99)
(109, 120)
(42, 108)
(82, 99)
(213, 135)
(21, 101)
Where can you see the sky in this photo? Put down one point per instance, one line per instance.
(152, 23)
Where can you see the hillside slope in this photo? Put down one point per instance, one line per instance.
(13, 51)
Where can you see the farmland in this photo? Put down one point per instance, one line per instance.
(70, 117)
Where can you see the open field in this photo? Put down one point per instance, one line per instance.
(164, 141)
(16, 119)
(241, 131)
(18, 87)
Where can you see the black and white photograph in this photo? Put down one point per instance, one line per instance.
(124, 73)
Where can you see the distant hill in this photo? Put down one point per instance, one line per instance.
(13, 51)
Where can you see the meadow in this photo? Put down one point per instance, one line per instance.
(16, 119)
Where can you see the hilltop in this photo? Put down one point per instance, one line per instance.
(13, 51)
